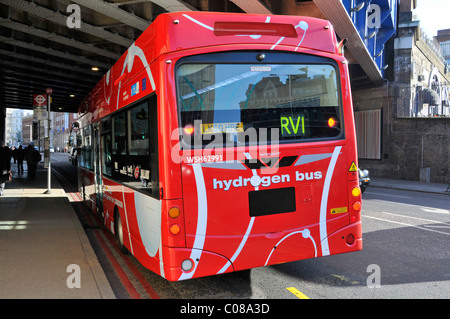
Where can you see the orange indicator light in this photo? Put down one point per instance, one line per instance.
(331, 122)
(356, 191)
(174, 212)
(174, 229)
(356, 206)
(189, 129)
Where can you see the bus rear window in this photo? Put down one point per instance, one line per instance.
(247, 103)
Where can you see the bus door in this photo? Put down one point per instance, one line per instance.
(97, 171)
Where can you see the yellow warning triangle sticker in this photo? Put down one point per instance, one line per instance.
(353, 167)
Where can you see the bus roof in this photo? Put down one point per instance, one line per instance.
(186, 30)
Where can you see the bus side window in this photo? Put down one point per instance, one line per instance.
(86, 149)
(132, 147)
(106, 147)
(154, 157)
(119, 152)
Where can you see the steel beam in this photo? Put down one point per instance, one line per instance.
(57, 38)
(58, 18)
(252, 6)
(53, 52)
(114, 12)
(174, 5)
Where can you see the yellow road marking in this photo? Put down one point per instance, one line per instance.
(297, 293)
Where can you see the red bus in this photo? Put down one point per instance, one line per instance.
(220, 142)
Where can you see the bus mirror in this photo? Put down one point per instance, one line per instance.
(341, 46)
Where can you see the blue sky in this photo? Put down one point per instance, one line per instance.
(433, 15)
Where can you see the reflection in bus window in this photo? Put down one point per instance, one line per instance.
(106, 156)
(119, 134)
(126, 149)
(106, 147)
(138, 134)
(86, 154)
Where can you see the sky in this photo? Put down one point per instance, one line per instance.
(433, 15)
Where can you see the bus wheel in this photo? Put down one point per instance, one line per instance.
(99, 208)
(118, 230)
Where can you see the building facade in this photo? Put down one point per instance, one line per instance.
(14, 129)
(443, 38)
(403, 126)
(60, 131)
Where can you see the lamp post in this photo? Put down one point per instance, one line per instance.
(49, 92)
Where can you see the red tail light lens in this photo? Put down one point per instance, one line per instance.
(350, 240)
(356, 206)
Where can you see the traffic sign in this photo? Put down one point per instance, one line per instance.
(49, 91)
(39, 100)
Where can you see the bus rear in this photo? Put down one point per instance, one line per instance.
(267, 152)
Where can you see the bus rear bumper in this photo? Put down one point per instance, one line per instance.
(185, 263)
(346, 239)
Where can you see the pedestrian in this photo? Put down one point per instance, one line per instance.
(20, 154)
(5, 166)
(14, 154)
(33, 158)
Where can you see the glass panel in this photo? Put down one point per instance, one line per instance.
(227, 103)
(138, 134)
(119, 146)
(106, 155)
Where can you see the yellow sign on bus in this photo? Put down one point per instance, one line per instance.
(213, 128)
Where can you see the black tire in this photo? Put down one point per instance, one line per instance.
(118, 231)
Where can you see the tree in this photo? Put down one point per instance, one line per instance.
(19, 137)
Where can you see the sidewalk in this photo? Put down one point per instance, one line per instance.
(436, 188)
(40, 236)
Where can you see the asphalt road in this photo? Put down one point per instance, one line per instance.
(406, 254)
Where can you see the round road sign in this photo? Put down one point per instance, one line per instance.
(40, 99)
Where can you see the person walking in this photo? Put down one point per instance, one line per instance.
(5, 165)
(14, 154)
(33, 158)
(20, 155)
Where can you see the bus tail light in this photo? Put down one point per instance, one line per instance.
(175, 224)
(356, 206)
(174, 212)
(356, 191)
(350, 240)
(355, 200)
(175, 229)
